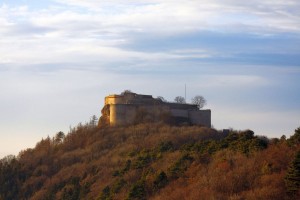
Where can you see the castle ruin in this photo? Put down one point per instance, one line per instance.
(130, 108)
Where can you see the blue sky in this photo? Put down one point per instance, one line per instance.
(58, 60)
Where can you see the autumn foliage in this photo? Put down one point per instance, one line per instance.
(153, 161)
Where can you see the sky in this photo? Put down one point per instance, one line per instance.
(59, 59)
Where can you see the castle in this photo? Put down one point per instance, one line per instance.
(129, 108)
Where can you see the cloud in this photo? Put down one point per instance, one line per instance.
(259, 16)
(59, 55)
(230, 81)
(145, 30)
(165, 17)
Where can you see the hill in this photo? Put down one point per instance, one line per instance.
(152, 161)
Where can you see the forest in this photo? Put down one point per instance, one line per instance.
(154, 161)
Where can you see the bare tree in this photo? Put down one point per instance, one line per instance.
(93, 121)
(179, 99)
(162, 99)
(199, 101)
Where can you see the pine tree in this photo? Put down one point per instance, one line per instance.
(292, 178)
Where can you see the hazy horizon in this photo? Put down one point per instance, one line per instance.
(58, 60)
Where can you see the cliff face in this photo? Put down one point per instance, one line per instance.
(104, 119)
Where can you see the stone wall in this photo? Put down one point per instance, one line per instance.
(113, 99)
(124, 114)
(133, 108)
(200, 117)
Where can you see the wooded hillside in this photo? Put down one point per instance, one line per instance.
(154, 161)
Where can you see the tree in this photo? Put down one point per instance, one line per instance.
(10, 178)
(59, 137)
(137, 191)
(199, 101)
(126, 92)
(160, 181)
(292, 178)
(93, 121)
(162, 99)
(295, 139)
(179, 99)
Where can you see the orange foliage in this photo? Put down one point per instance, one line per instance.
(117, 158)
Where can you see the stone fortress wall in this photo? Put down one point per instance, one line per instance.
(128, 107)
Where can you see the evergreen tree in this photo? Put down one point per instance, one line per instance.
(292, 179)
(295, 139)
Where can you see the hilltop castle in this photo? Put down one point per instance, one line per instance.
(130, 108)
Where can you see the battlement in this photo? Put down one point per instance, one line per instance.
(128, 108)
